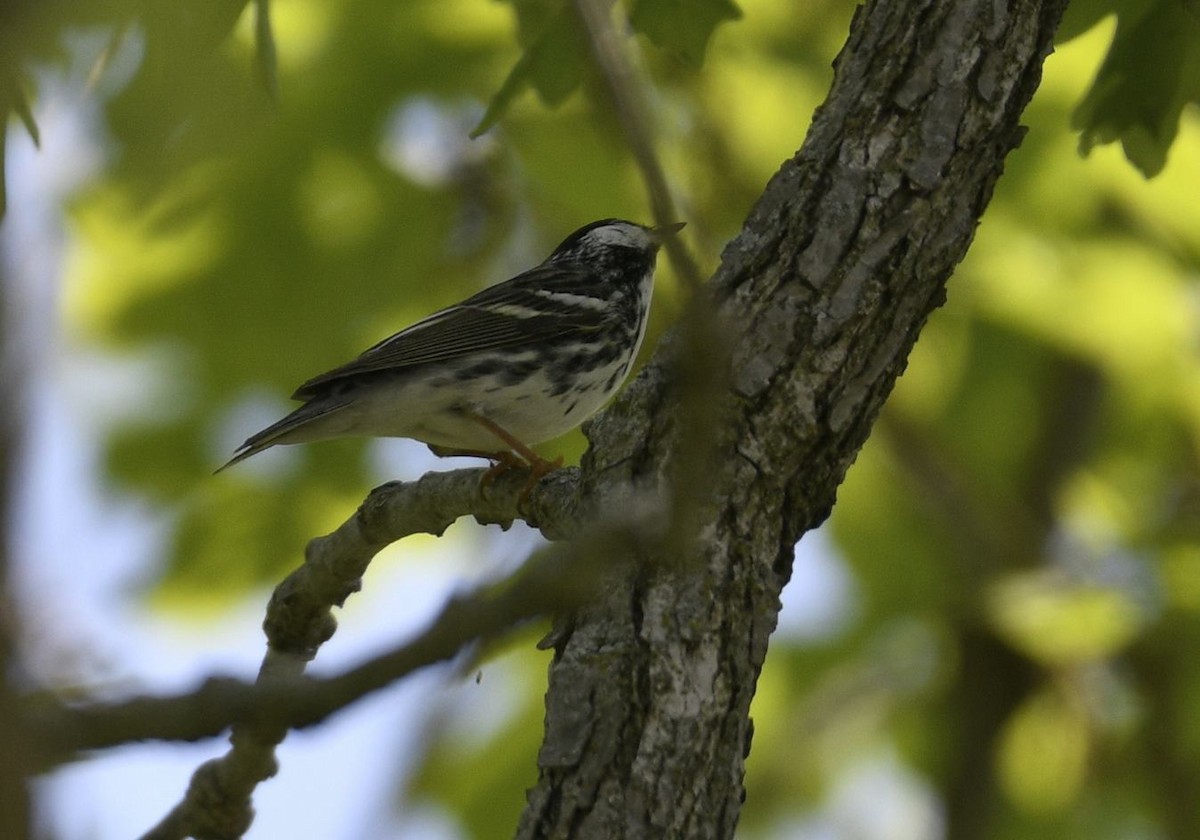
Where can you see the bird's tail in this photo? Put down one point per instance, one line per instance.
(288, 430)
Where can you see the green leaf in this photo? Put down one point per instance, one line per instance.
(17, 103)
(552, 62)
(265, 54)
(554, 47)
(683, 27)
(1081, 15)
(1150, 73)
(23, 110)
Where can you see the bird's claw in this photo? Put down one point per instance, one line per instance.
(505, 461)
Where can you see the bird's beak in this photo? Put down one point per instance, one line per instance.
(661, 232)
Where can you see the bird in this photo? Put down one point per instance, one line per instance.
(516, 364)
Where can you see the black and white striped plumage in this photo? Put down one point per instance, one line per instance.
(533, 356)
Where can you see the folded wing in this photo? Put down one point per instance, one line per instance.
(541, 304)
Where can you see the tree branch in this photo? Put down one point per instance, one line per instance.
(828, 285)
(299, 620)
(554, 580)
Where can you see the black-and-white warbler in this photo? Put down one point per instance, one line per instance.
(514, 365)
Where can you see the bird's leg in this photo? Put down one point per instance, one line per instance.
(538, 466)
(502, 461)
(452, 452)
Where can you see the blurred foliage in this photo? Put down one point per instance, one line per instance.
(682, 26)
(290, 181)
(481, 746)
(554, 53)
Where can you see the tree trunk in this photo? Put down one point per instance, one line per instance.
(827, 287)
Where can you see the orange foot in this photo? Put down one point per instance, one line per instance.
(517, 456)
(502, 462)
(537, 470)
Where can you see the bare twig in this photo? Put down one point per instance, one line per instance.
(555, 579)
(617, 75)
(700, 351)
(299, 620)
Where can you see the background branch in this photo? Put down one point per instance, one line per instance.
(299, 620)
(554, 580)
(625, 91)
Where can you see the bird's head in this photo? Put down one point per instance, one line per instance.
(613, 239)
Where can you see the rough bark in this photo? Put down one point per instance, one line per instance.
(827, 287)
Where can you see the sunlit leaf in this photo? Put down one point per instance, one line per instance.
(1058, 622)
(1043, 753)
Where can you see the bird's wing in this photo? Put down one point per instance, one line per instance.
(542, 303)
